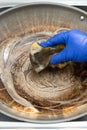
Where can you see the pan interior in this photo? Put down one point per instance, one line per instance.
(51, 91)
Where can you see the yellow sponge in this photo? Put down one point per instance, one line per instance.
(40, 56)
(35, 46)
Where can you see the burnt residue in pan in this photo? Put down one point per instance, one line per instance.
(48, 92)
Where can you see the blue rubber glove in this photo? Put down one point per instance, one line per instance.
(76, 46)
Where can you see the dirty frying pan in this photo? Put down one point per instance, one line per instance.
(54, 94)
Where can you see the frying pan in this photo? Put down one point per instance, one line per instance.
(26, 20)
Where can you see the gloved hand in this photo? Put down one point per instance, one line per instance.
(76, 46)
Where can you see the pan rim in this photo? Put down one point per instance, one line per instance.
(42, 3)
(41, 121)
